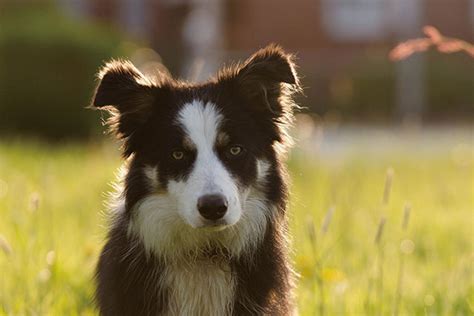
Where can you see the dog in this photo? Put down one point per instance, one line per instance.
(199, 226)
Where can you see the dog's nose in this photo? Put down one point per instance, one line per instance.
(212, 206)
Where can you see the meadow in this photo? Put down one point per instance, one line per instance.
(388, 234)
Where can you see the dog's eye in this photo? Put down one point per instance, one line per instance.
(235, 150)
(177, 155)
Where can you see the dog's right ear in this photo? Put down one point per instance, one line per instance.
(125, 92)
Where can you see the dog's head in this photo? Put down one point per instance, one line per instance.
(199, 153)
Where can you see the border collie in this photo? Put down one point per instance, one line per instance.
(200, 224)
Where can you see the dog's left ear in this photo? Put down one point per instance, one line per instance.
(268, 77)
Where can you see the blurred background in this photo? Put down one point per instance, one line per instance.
(386, 131)
(50, 51)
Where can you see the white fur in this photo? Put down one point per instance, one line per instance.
(167, 222)
(209, 176)
(163, 232)
(263, 167)
(200, 288)
(152, 175)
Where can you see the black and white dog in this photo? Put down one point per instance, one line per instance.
(200, 227)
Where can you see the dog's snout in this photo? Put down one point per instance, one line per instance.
(212, 206)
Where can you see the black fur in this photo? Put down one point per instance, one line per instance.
(255, 99)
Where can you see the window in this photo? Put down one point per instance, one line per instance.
(354, 20)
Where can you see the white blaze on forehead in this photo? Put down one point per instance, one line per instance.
(201, 123)
(167, 221)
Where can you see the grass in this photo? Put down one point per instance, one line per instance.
(352, 249)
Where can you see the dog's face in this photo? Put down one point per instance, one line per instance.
(199, 154)
(209, 167)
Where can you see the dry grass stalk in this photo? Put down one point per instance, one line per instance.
(380, 261)
(327, 220)
(34, 202)
(312, 235)
(5, 245)
(380, 228)
(388, 186)
(406, 216)
(311, 229)
(401, 267)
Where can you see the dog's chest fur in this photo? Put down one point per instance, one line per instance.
(202, 287)
(169, 252)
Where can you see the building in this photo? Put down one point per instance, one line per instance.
(196, 36)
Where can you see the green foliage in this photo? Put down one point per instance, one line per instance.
(374, 92)
(52, 229)
(450, 84)
(47, 68)
(437, 271)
